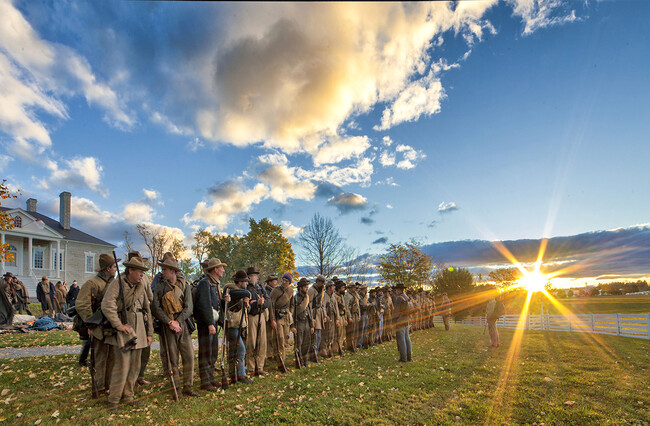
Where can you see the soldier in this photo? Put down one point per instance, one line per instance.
(71, 298)
(351, 300)
(43, 294)
(256, 339)
(316, 293)
(89, 301)
(146, 352)
(363, 323)
(206, 313)
(492, 315)
(20, 296)
(237, 318)
(388, 314)
(173, 307)
(131, 319)
(381, 307)
(272, 349)
(282, 312)
(333, 316)
(59, 297)
(401, 318)
(303, 323)
(445, 310)
(344, 314)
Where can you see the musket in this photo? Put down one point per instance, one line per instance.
(130, 344)
(257, 337)
(224, 377)
(239, 336)
(296, 352)
(94, 393)
(277, 343)
(313, 342)
(170, 372)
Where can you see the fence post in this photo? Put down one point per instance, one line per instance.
(569, 319)
(618, 324)
(648, 326)
(593, 329)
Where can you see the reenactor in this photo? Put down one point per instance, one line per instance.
(282, 312)
(71, 298)
(146, 352)
(21, 296)
(173, 307)
(332, 312)
(88, 303)
(445, 310)
(256, 339)
(126, 307)
(303, 323)
(59, 297)
(271, 347)
(388, 314)
(44, 294)
(351, 300)
(363, 308)
(344, 314)
(206, 313)
(316, 294)
(401, 317)
(237, 323)
(381, 307)
(373, 319)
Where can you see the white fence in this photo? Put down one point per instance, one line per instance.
(627, 325)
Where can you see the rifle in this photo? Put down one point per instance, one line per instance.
(257, 337)
(130, 344)
(296, 352)
(224, 377)
(94, 393)
(313, 343)
(239, 336)
(283, 367)
(163, 341)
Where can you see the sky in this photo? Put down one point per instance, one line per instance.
(492, 120)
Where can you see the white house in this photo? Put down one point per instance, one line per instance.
(44, 246)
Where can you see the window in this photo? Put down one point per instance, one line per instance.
(18, 222)
(61, 261)
(38, 257)
(13, 252)
(58, 260)
(90, 263)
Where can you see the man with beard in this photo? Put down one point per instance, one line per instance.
(401, 317)
(271, 346)
(173, 307)
(363, 323)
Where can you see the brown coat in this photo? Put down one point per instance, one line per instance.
(318, 313)
(138, 312)
(90, 299)
(282, 300)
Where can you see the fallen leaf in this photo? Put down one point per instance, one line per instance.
(55, 414)
(548, 379)
(569, 403)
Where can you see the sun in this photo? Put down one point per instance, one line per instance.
(534, 281)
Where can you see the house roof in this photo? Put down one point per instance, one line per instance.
(72, 234)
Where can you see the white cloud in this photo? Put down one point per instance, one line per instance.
(78, 172)
(410, 157)
(289, 230)
(4, 162)
(348, 202)
(445, 207)
(386, 141)
(151, 194)
(284, 184)
(390, 181)
(338, 149)
(195, 144)
(538, 14)
(359, 172)
(389, 206)
(386, 158)
(138, 212)
(167, 124)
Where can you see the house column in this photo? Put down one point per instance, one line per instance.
(30, 256)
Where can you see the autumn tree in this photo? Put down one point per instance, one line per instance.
(6, 222)
(323, 247)
(266, 247)
(453, 280)
(406, 264)
(505, 277)
(228, 249)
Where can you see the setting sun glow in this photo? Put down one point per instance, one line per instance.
(534, 281)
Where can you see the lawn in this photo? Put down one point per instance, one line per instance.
(557, 378)
(583, 305)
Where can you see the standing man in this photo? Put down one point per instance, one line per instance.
(493, 314)
(71, 298)
(256, 339)
(146, 352)
(90, 298)
(271, 283)
(316, 293)
(135, 310)
(43, 295)
(402, 323)
(363, 323)
(303, 324)
(332, 312)
(344, 313)
(207, 313)
(21, 296)
(282, 312)
(173, 307)
(351, 300)
(388, 314)
(237, 318)
(445, 309)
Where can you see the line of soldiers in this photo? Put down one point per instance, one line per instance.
(255, 319)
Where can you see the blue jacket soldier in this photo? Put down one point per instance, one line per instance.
(237, 319)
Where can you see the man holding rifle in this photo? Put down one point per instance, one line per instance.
(207, 315)
(282, 313)
(237, 318)
(316, 293)
(173, 307)
(126, 307)
(303, 326)
(88, 302)
(256, 340)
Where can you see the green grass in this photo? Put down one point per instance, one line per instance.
(453, 379)
(39, 338)
(583, 305)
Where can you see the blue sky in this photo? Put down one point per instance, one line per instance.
(439, 122)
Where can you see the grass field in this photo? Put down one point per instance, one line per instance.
(583, 305)
(558, 378)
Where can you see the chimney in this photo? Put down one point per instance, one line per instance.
(64, 210)
(31, 205)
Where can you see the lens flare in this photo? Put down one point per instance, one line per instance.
(533, 281)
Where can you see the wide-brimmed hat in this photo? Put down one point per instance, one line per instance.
(105, 260)
(339, 284)
(303, 282)
(240, 276)
(320, 278)
(171, 263)
(399, 286)
(212, 263)
(330, 284)
(252, 270)
(44, 278)
(270, 278)
(8, 274)
(136, 263)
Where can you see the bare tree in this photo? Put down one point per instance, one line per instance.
(323, 247)
(157, 240)
(128, 243)
(201, 247)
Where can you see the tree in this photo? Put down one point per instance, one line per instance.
(405, 264)
(323, 247)
(6, 222)
(128, 243)
(266, 247)
(156, 239)
(201, 247)
(228, 249)
(505, 277)
(452, 280)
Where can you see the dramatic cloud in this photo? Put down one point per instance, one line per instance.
(78, 172)
(348, 202)
(289, 230)
(447, 207)
(327, 190)
(382, 240)
(285, 185)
